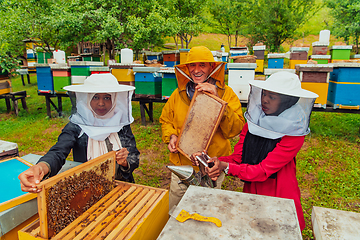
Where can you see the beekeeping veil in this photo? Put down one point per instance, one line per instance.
(95, 126)
(293, 115)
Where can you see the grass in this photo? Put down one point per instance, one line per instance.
(328, 169)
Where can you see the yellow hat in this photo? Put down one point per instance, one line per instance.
(199, 54)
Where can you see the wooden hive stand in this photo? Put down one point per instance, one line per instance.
(14, 97)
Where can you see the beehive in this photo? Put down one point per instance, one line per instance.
(61, 77)
(147, 82)
(239, 76)
(276, 60)
(128, 211)
(259, 65)
(45, 81)
(171, 58)
(292, 63)
(315, 78)
(321, 59)
(5, 86)
(183, 55)
(344, 86)
(99, 70)
(259, 52)
(80, 70)
(168, 82)
(124, 72)
(339, 52)
(42, 57)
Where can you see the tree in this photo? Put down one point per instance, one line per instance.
(230, 17)
(186, 15)
(346, 14)
(275, 21)
(30, 19)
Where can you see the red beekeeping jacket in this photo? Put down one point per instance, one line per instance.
(280, 160)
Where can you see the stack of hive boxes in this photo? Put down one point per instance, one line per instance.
(320, 48)
(259, 52)
(124, 72)
(99, 70)
(298, 55)
(44, 76)
(153, 56)
(344, 86)
(340, 53)
(61, 76)
(169, 83)
(183, 55)
(147, 82)
(80, 70)
(315, 78)
(239, 76)
(171, 58)
(276, 60)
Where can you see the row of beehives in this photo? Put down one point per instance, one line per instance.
(150, 82)
(337, 84)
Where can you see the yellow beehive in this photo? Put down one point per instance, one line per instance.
(130, 211)
(259, 65)
(123, 74)
(5, 86)
(320, 89)
(81, 210)
(292, 63)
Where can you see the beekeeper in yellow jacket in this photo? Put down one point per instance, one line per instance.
(203, 73)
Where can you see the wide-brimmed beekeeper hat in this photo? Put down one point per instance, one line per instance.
(199, 54)
(285, 83)
(100, 83)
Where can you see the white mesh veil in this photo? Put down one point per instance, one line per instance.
(292, 118)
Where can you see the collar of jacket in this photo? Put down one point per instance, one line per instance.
(184, 97)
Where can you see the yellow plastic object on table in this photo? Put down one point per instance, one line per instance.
(184, 215)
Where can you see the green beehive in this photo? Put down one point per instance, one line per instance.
(339, 52)
(42, 57)
(321, 59)
(60, 82)
(148, 89)
(169, 82)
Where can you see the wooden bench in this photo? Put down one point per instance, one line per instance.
(14, 96)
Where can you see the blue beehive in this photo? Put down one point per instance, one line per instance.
(344, 85)
(44, 78)
(276, 60)
(147, 82)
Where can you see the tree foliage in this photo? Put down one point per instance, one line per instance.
(230, 17)
(346, 14)
(275, 21)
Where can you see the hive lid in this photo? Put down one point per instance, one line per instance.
(167, 70)
(7, 146)
(60, 66)
(320, 56)
(276, 55)
(320, 44)
(345, 64)
(170, 52)
(242, 215)
(355, 56)
(342, 47)
(262, 47)
(299, 49)
(85, 63)
(41, 65)
(146, 69)
(241, 66)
